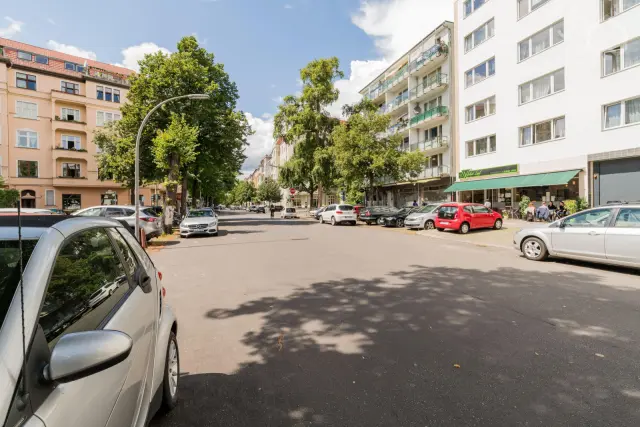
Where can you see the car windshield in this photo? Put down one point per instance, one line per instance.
(427, 209)
(291, 210)
(199, 214)
(10, 270)
(345, 207)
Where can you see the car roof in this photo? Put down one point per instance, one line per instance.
(34, 225)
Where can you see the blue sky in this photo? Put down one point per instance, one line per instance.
(263, 43)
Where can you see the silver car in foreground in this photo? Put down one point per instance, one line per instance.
(91, 363)
(425, 217)
(607, 234)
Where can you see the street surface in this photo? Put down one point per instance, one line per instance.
(293, 323)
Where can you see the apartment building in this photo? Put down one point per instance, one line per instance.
(50, 105)
(418, 92)
(548, 100)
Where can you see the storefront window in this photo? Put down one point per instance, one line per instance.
(71, 202)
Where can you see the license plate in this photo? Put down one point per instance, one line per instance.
(444, 223)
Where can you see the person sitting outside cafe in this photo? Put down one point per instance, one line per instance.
(530, 212)
(562, 211)
(542, 213)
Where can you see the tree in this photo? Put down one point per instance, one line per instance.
(8, 197)
(269, 191)
(364, 154)
(243, 192)
(304, 121)
(221, 139)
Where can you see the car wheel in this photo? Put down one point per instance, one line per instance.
(498, 224)
(354, 223)
(321, 220)
(333, 220)
(380, 221)
(440, 229)
(534, 249)
(369, 223)
(464, 228)
(400, 223)
(429, 225)
(171, 374)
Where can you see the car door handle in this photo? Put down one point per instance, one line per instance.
(594, 233)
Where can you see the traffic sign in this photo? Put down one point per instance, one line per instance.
(292, 191)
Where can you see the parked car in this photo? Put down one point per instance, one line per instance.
(57, 211)
(313, 212)
(288, 213)
(25, 211)
(609, 234)
(259, 209)
(199, 221)
(319, 212)
(124, 351)
(466, 216)
(277, 208)
(373, 214)
(252, 208)
(357, 209)
(338, 214)
(424, 217)
(397, 219)
(149, 221)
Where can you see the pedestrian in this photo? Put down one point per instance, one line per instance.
(530, 212)
(487, 204)
(542, 213)
(415, 203)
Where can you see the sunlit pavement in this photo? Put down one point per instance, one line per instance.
(293, 323)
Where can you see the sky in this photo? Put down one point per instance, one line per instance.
(263, 44)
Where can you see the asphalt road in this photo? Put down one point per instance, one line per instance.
(293, 323)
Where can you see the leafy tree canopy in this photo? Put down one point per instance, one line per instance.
(269, 191)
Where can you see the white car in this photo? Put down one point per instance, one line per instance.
(607, 234)
(199, 221)
(288, 213)
(149, 221)
(105, 292)
(339, 214)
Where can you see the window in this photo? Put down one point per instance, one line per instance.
(71, 201)
(87, 273)
(622, 113)
(73, 67)
(100, 92)
(70, 142)
(116, 95)
(49, 197)
(480, 72)
(41, 59)
(71, 170)
(628, 218)
(542, 86)
(104, 117)
(27, 169)
(481, 109)
(482, 145)
(621, 57)
(27, 139)
(540, 41)
(108, 94)
(68, 87)
(114, 212)
(26, 110)
(595, 218)
(470, 6)
(70, 114)
(25, 55)
(480, 209)
(479, 35)
(538, 133)
(611, 8)
(26, 81)
(525, 7)
(130, 261)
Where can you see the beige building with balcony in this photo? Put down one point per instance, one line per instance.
(50, 105)
(418, 92)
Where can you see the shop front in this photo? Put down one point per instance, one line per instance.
(421, 192)
(505, 192)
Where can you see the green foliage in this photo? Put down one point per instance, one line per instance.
(242, 192)
(8, 197)
(221, 139)
(524, 204)
(269, 191)
(582, 204)
(364, 155)
(304, 120)
(572, 206)
(178, 142)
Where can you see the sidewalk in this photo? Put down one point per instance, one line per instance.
(502, 238)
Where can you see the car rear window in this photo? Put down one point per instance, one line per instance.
(447, 211)
(345, 207)
(10, 270)
(290, 210)
(150, 212)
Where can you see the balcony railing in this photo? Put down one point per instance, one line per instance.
(438, 111)
(427, 173)
(429, 144)
(436, 50)
(398, 127)
(398, 102)
(107, 76)
(401, 74)
(374, 93)
(432, 83)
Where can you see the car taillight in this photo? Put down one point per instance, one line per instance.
(339, 212)
(164, 292)
(149, 219)
(159, 275)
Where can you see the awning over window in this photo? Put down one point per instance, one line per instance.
(537, 180)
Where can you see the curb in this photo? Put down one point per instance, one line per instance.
(469, 242)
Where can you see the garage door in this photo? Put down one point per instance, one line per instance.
(617, 181)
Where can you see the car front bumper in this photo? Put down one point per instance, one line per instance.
(452, 225)
(413, 223)
(186, 231)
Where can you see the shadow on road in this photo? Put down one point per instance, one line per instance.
(256, 222)
(223, 233)
(430, 346)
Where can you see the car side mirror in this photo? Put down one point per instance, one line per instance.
(142, 279)
(562, 224)
(81, 354)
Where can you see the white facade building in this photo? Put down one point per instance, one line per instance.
(548, 87)
(417, 91)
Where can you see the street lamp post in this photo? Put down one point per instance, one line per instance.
(137, 160)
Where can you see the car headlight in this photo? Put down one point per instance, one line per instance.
(213, 223)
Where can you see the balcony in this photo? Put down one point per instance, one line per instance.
(402, 125)
(399, 76)
(69, 98)
(430, 87)
(66, 181)
(60, 123)
(434, 113)
(63, 153)
(395, 104)
(430, 146)
(106, 76)
(374, 93)
(434, 172)
(433, 54)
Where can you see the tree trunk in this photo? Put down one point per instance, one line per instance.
(172, 187)
(184, 198)
(194, 191)
(311, 198)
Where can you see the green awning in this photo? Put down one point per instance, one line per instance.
(519, 181)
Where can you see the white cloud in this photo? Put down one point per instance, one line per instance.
(51, 21)
(12, 29)
(260, 143)
(288, 6)
(133, 54)
(361, 73)
(71, 50)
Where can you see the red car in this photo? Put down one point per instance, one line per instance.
(467, 216)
